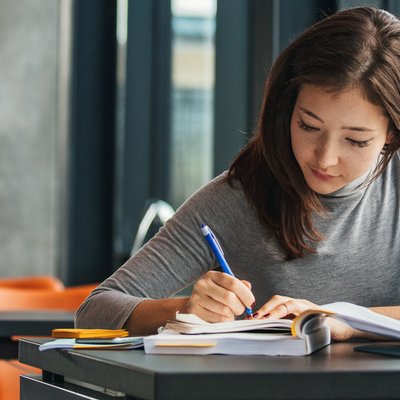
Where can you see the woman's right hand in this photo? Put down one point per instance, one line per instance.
(218, 297)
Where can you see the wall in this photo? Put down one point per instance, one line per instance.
(28, 162)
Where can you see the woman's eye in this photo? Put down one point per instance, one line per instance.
(305, 127)
(362, 143)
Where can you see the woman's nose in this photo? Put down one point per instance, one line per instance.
(327, 154)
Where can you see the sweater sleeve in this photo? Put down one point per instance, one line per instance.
(172, 260)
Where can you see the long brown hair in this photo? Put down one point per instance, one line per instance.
(355, 47)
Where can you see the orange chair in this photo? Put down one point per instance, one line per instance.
(34, 282)
(37, 293)
(68, 299)
(9, 378)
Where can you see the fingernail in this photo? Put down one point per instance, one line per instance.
(252, 306)
(255, 315)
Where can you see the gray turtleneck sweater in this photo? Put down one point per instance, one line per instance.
(358, 261)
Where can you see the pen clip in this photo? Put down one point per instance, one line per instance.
(216, 241)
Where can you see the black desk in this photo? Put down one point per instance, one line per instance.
(29, 323)
(335, 372)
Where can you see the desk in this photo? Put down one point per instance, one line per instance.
(29, 323)
(335, 372)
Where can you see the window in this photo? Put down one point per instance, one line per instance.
(192, 96)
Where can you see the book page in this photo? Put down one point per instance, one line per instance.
(356, 316)
(192, 324)
(364, 319)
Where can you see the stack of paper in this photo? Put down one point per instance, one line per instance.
(241, 343)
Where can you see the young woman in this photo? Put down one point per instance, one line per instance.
(309, 209)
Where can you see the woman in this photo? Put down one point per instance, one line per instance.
(307, 210)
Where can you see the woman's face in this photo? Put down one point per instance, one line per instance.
(336, 138)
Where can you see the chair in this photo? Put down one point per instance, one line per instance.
(10, 371)
(157, 213)
(67, 299)
(33, 293)
(32, 282)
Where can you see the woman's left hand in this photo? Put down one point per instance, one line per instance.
(283, 307)
(287, 307)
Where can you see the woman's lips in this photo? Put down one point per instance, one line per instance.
(321, 175)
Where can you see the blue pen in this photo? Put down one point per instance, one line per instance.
(217, 250)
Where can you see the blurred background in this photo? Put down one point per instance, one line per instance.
(106, 105)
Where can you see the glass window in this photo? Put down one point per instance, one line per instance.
(192, 96)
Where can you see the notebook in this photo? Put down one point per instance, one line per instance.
(124, 343)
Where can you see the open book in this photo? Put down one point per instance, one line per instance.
(307, 333)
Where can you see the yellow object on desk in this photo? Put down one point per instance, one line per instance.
(88, 333)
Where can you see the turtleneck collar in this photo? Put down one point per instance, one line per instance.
(352, 188)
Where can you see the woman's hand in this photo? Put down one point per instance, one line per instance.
(287, 307)
(218, 297)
